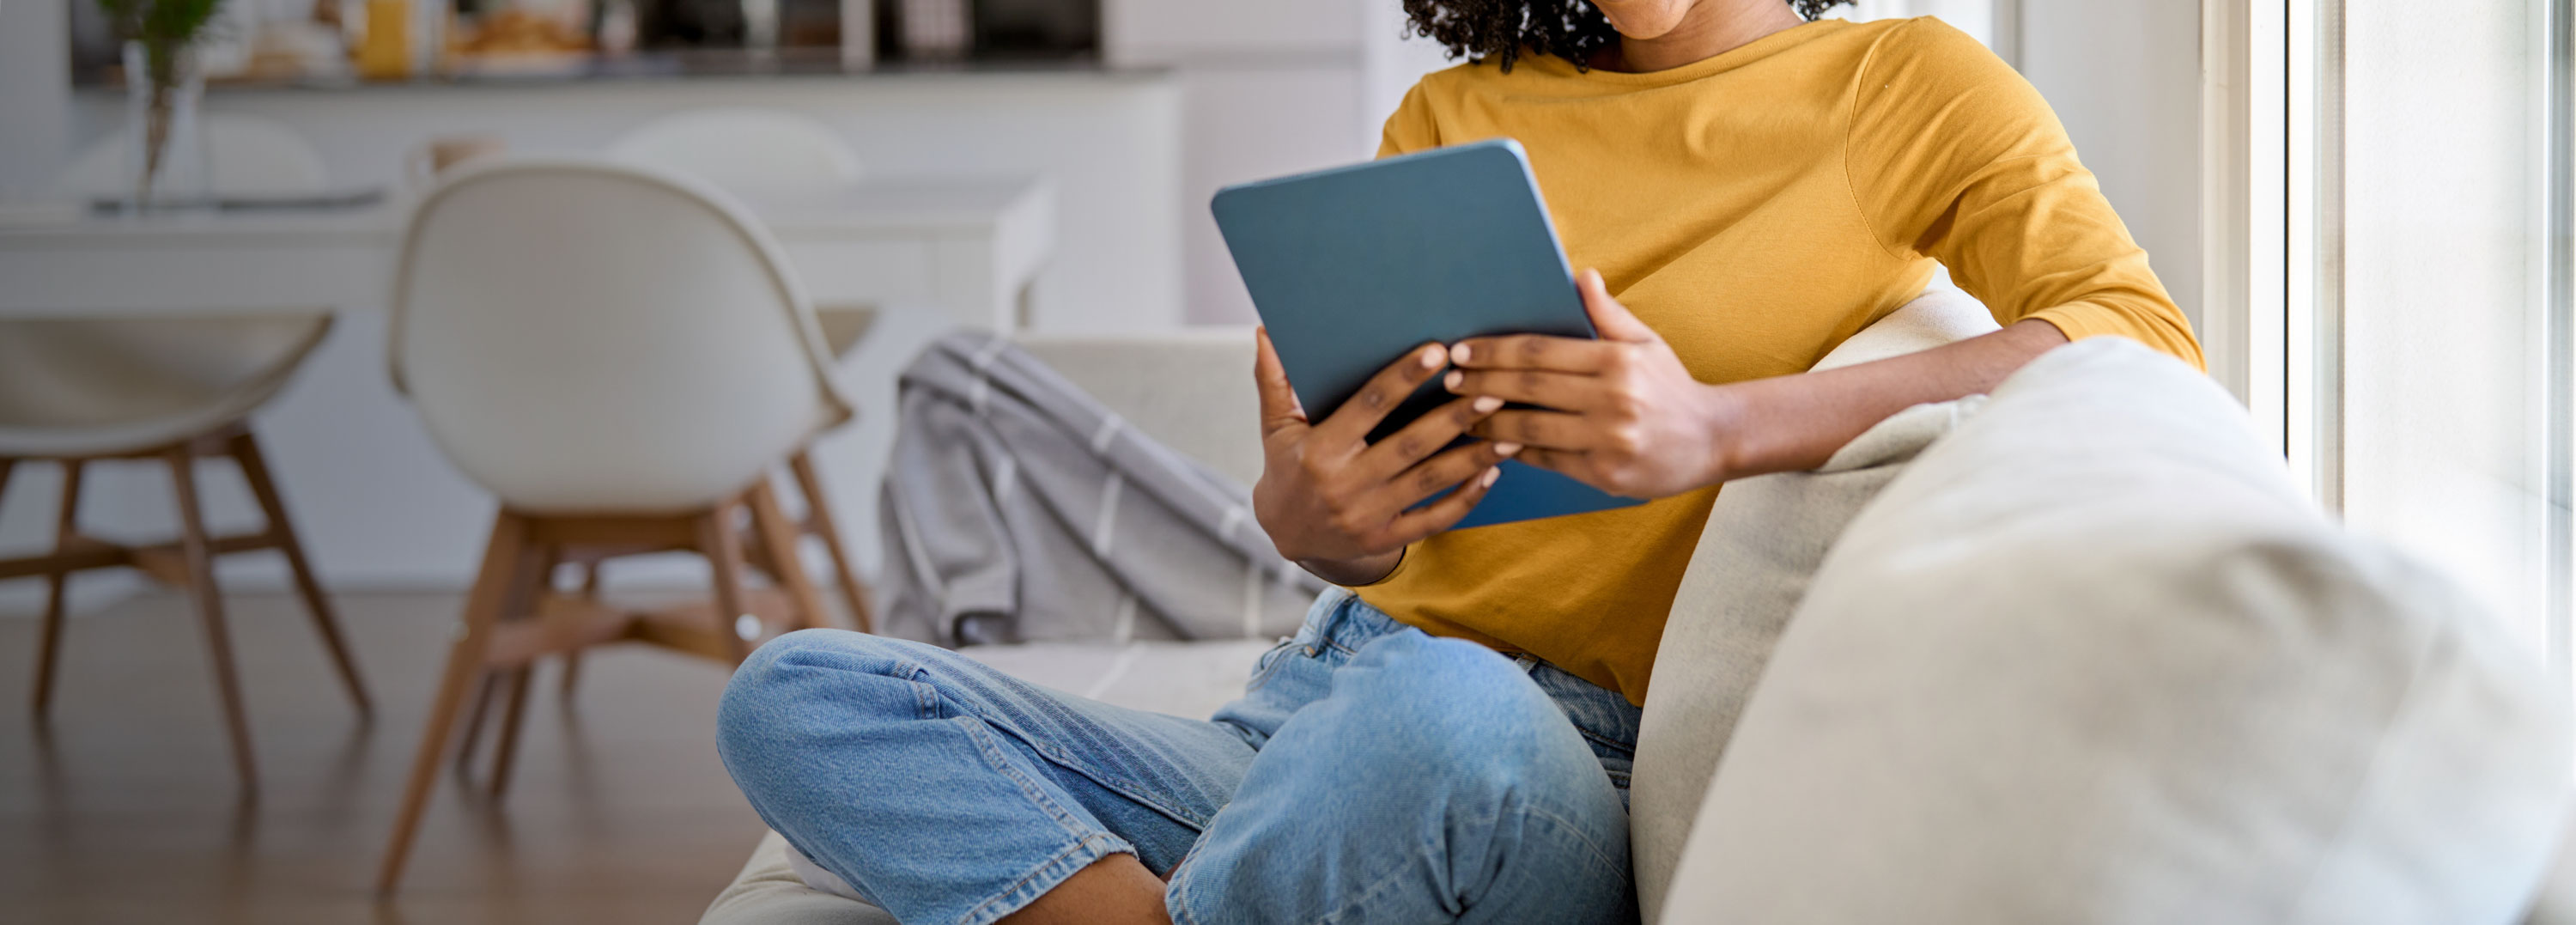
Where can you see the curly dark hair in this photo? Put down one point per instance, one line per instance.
(1501, 30)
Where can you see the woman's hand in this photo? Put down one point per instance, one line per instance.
(1337, 504)
(1620, 413)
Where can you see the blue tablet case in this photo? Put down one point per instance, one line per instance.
(1352, 267)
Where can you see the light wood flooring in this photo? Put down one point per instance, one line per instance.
(122, 807)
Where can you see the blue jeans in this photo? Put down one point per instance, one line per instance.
(1369, 773)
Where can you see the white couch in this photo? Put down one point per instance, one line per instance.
(2085, 657)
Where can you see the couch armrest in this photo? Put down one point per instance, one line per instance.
(1764, 538)
(1933, 319)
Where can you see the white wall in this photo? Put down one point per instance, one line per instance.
(1249, 122)
(1390, 63)
(34, 87)
(1974, 17)
(2124, 76)
(1269, 87)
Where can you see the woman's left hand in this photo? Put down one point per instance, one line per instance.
(1619, 413)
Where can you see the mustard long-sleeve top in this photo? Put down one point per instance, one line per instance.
(1755, 209)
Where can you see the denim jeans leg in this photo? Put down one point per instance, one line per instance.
(1435, 782)
(946, 791)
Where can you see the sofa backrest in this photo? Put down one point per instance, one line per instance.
(1190, 389)
(2092, 658)
(1763, 541)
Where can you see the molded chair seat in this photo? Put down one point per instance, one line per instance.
(93, 387)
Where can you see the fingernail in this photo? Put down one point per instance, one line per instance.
(1487, 404)
(1506, 449)
(1458, 354)
(1431, 357)
(1451, 381)
(1490, 476)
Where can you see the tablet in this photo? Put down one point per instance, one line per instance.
(1351, 268)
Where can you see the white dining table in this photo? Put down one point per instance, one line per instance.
(377, 503)
(966, 246)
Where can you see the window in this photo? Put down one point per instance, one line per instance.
(2389, 186)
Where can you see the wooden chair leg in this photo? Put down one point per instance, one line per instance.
(471, 736)
(778, 534)
(818, 520)
(722, 545)
(571, 677)
(572, 659)
(483, 606)
(526, 602)
(254, 469)
(197, 552)
(506, 751)
(57, 586)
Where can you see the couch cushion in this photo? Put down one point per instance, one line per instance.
(769, 892)
(1763, 540)
(2091, 659)
(2556, 904)
(1215, 419)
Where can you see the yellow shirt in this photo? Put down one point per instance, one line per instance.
(1756, 208)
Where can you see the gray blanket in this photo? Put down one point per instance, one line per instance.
(1017, 508)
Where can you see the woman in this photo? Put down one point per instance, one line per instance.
(1448, 737)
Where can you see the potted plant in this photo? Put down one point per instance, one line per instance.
(163, 85)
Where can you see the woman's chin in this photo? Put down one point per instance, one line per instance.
(1643, 20)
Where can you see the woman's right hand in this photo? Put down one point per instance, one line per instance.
(1342, 507)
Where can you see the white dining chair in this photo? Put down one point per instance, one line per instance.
(245, 156)
(83, 391)
(620, 356)
(768, 152)
(742, 148)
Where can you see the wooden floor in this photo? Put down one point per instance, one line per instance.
(123, 807)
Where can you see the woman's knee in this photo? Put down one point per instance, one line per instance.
(1423, 744)
(1459, 715)
(809, 682)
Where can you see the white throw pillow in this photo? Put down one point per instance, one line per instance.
(1762, 543)
(2091, 659)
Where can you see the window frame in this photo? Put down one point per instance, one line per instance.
(2272, 216)
(2557, 322)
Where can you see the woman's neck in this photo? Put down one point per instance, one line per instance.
(1709, 29)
